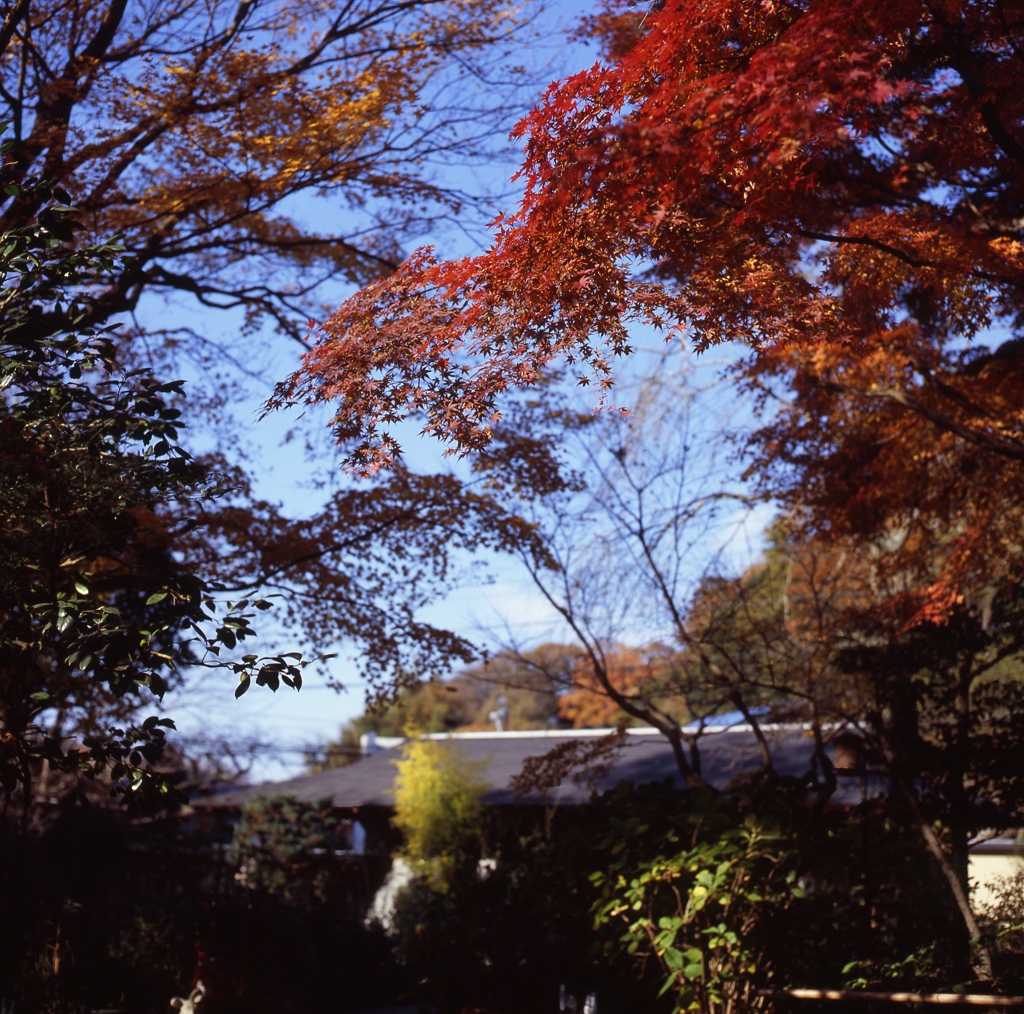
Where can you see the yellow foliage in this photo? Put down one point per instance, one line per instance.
(192, 134)
(437, 804)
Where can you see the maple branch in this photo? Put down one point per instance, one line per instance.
(997, 129)
(135, 49)
(268, 573)
(241, 13)
(1009, 32)
(88, 152)
(865, 241)
(951, 393)
(235, 298)
(986, 440)
(963, 62)
(13, 16)
(990, 117)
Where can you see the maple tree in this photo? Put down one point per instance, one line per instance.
(193, 132)
(626, 540)
(907, 445)
(786, 175)
(359, 570)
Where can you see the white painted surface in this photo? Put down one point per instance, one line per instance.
(985, 871)
(383, 908)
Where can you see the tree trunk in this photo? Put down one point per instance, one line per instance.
(981, 956)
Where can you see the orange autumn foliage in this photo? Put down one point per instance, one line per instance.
(194, 131)
(631, 672)
(911, 447)
(786, 175)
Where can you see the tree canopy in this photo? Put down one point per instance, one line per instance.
(911, 444)
(192, 131)
(203, 139)
(98, 614)
(788, 175)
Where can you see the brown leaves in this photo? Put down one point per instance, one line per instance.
(587, 761)
(358, 572)
(909, 445)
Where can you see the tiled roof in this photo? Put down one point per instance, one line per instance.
(646, 757)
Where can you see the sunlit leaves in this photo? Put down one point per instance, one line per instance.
(699, 906)
(787, 176)
(192, 135)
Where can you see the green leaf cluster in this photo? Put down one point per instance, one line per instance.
(97, 612)
(695, 898)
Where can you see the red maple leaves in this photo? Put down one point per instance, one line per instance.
(839, 182)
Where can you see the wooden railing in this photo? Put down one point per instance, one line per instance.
(965, 999)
